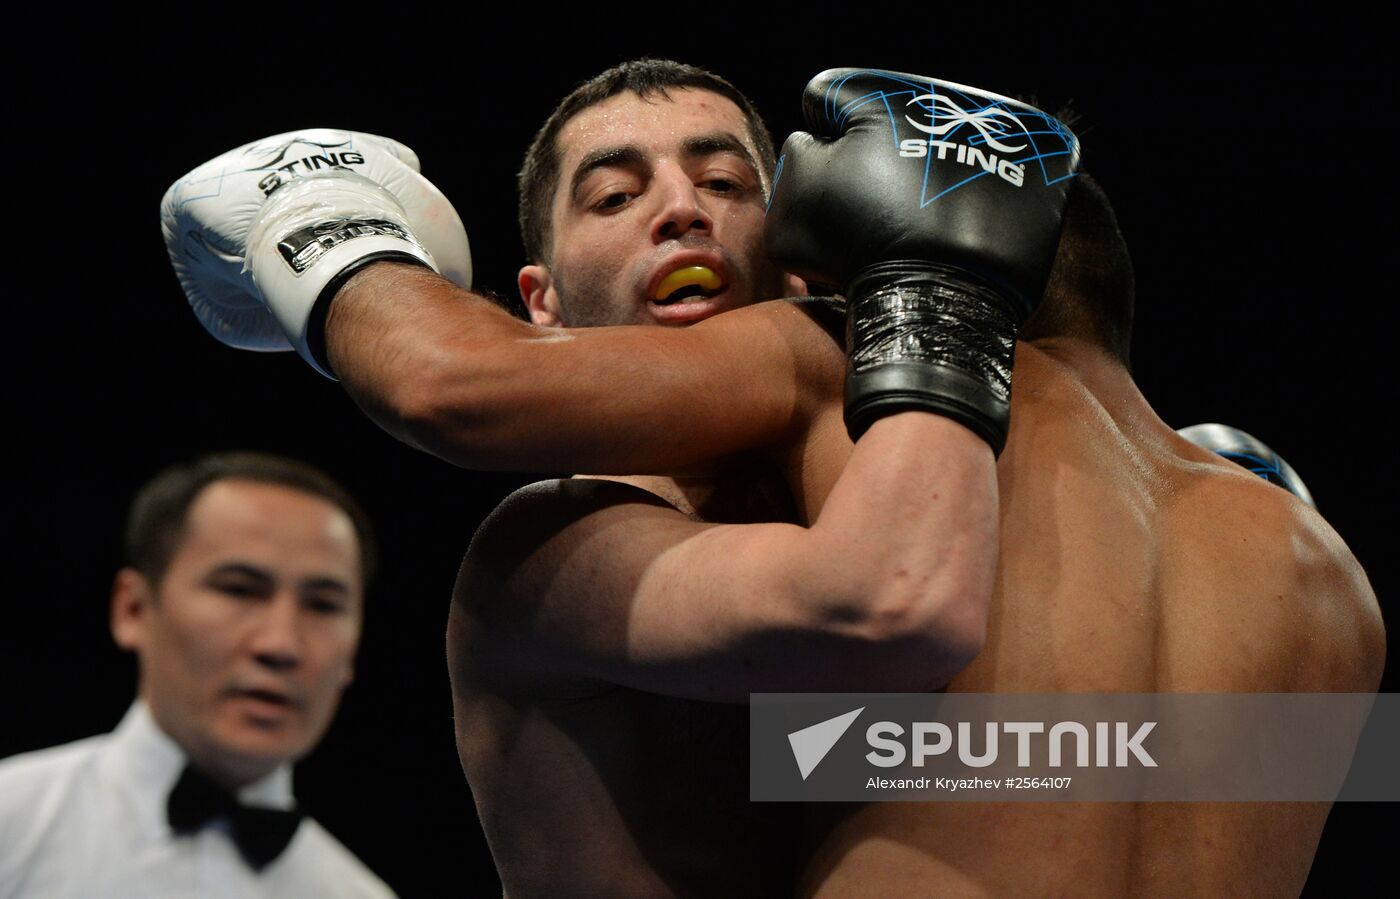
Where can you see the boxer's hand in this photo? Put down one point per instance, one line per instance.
(262, 236)
(1250, 452)
(936, 209)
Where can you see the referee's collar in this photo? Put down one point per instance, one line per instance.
(149, 761)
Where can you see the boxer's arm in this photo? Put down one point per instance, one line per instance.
(260, 246)
(455, 375)
(602, 582)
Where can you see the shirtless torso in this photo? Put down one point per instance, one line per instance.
(586, 787)
(1132, 561)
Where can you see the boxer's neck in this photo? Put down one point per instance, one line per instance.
(1051, 369)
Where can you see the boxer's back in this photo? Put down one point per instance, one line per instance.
(1132, 561)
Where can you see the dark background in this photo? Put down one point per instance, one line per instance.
(1251, 165)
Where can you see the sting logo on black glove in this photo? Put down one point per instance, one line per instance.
(936, 209)
(994, 128)
(990, 125)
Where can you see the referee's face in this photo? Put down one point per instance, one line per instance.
(249, 641)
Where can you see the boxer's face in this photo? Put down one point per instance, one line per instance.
(249, 641)
(649, 187)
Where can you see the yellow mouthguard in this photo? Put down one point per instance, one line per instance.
(684, 277)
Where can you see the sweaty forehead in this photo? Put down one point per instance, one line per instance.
(656, 124)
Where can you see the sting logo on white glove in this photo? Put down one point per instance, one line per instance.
(262, 236)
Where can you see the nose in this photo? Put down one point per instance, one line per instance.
(681, 208)
(277, 639)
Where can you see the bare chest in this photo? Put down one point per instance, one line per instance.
(656, 786)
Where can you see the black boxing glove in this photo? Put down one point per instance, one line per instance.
(1250, 452)
(936, 209)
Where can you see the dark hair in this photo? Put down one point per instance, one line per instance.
(1090, 293)
(155, 525)
(539, 174)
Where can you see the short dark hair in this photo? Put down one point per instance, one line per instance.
(155, 525)
(539, 174)
(1090, 292)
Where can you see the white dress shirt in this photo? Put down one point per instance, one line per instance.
(87, 821)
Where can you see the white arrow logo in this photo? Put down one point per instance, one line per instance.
(811, 744)
(987, 122)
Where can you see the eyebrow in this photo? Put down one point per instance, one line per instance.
(241, 568)
(315, 582)
(631, 155)
(606, 157)
(719, 142)
(335, 585)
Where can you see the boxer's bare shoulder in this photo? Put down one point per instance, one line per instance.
(1182, 570)
(1273, 596)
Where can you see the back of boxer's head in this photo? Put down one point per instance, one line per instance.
(155, 524)
(1090, 293)
(539, 174)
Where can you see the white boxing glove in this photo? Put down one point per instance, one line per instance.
(262, 236)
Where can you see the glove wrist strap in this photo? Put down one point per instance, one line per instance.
(930, 337)
(312, 234)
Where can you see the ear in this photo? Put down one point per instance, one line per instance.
(537, 290)
(794, 286)
(132, 597)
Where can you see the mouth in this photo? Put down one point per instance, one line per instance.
(686, 284)
(265, 703)
(268, 696)
(688, 294)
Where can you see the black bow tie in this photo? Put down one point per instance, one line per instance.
(261, 833)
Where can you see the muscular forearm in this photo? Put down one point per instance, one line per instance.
(453, 374)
